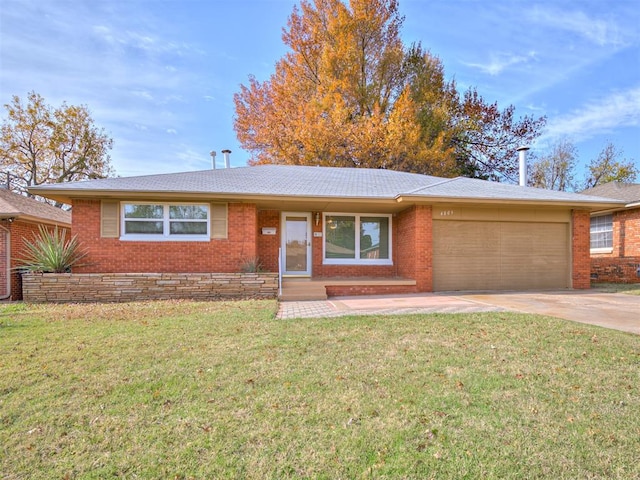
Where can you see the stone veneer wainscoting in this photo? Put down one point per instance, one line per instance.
(127, 287)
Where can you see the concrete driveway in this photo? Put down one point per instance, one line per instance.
(610, 310)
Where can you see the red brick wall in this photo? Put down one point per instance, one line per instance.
(615, 270)
(415, 246)
(629, 225)
(4, 261)
(268, 245)
(342, 290)
(110, 255)
(405, 242)
(412, 247)
(580, 262)
(621, 265)
(320, 270)
(411, 255)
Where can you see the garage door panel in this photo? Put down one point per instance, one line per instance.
(472, 255)
(532, 273)
(469, 270)
(472, 239)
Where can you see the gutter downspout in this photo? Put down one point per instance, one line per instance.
(8, 248)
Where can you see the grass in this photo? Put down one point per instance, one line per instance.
(223, 390)
(628, 288)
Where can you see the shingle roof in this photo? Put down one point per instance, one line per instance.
(462, 187)
(318, 182)
(628, 192)
(14, 205)
(267, 180)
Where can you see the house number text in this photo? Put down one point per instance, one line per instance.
(446, 213)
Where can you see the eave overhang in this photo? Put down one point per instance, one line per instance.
(34, 219)
(319, 203)
(581, 204)
(618, 208)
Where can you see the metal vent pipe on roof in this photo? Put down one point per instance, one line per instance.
(522, 156)
(213, 158)
(226, 153)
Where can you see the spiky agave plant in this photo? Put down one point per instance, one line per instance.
(51, 252)
(251, 265)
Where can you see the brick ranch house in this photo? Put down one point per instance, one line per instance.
(615, 234)
(20, 219)
(339, 230)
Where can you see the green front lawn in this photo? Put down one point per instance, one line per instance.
(223, 390)
(628, 288)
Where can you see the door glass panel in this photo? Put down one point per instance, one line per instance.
(296, 246)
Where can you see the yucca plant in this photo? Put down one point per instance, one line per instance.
(251, 265)
(51, 252)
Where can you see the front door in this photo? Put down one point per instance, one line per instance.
(296, 243)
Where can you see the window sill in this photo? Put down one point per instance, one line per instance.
(158, 238)
(596, 251)
(359, 263)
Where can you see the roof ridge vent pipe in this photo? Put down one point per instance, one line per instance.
(522, 156)
(226, 153)
(213, 158)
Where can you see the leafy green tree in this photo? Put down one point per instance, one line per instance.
(609, 167)
(40, 144)
(556, 169)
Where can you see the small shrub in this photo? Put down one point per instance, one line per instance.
(51, 252)
(251, 265)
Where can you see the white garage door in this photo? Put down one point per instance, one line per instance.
(485, 255)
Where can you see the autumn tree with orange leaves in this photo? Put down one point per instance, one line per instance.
(349, 93)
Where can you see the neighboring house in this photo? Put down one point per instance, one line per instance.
(20, 218)
(353, 230)
(615, 234)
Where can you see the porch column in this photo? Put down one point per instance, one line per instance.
(414, 246)
(580, 255)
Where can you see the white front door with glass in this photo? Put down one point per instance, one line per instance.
(296, 243)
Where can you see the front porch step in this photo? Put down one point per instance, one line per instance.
(301, 290)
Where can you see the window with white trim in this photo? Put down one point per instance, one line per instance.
(601, 232)
(357, 239)
(165, 221)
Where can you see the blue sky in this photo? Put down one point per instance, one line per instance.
(159, 76)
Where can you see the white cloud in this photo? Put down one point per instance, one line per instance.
(535, 108)
(142, 94)
(620, 109)
(600, 31)
(174, 97)
(190, 159)
(172, 131)
(119, 36)
(498, 62)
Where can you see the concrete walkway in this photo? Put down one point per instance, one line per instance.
(383, 305)
(610, 310)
